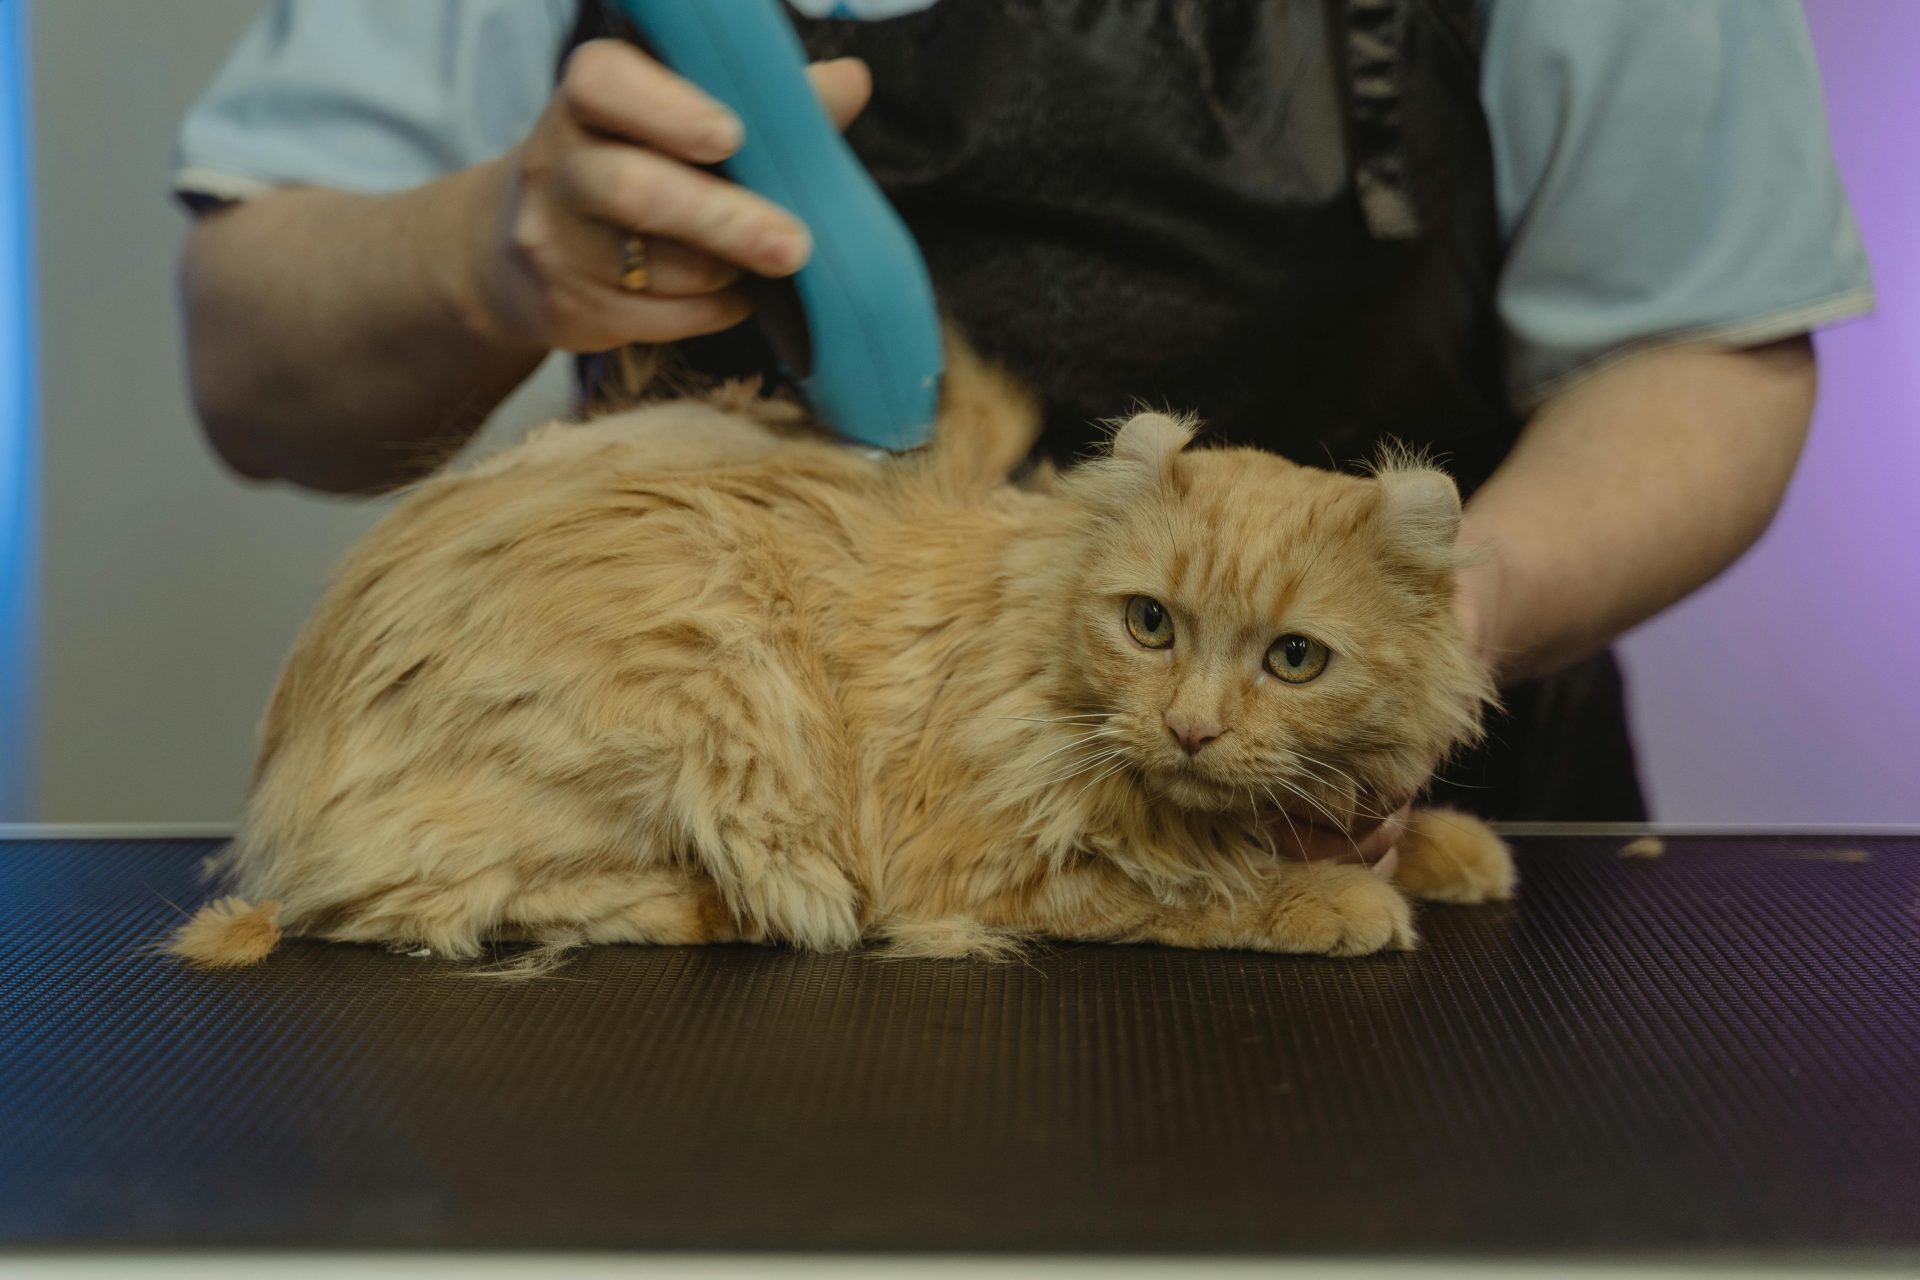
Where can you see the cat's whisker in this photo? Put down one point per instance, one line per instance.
(1465, 786)
(1327, 765)
(1311, 766)
(1094, 739)
(1052, 784)
(1273, 843)
(1118, 757)
(1356, 811)
(178, 910)
(1264, 837)
(1328, 813)
(1254, 800)
(1114, 760)
(1112, 769)
(1319, 806)
(1080, 741)
(1100, 736)
(1350, 801)
(1060, 778)
(1094, 718)
(1352, 791)
(1305, 765)
(1282, 810)
(1285, 817)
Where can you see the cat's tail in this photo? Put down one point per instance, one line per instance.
(987, 421)
(229, 933)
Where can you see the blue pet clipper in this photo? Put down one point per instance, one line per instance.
(869, 357)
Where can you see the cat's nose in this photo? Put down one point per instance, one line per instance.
(1192, 734)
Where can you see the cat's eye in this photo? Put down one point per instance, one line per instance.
(1149, 623)
(1297, 658)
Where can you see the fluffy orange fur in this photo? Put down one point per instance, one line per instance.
(229, 933)
(693, 673)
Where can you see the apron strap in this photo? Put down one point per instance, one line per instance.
(1375, 48)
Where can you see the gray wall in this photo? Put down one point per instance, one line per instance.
(171, 589)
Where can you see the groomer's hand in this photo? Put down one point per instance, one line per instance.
(1371, 839)
(617, 152)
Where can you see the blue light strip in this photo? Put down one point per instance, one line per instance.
(19, 430)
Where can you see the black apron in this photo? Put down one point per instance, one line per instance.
(1278, 214)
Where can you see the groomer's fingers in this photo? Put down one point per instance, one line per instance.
(1311, 840)
(844, 86)
(611, 87)
(1376, 843)
(676, 271)
(597, 254)
(629, 187)
(615, 154)
(621, 318)
(644, 319)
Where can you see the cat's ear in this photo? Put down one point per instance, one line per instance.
(1420, 512)
(1151, 440)
(1139, 459)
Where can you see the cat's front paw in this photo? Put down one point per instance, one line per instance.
(1446, 856)
(1339, 910)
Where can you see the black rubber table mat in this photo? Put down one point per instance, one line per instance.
(1716, 1050)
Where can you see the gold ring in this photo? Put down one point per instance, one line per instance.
(633, 263)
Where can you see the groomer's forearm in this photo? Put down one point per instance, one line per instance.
(1627, 492)
(333, 340)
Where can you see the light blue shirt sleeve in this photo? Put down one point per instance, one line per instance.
(376, 96)
(1662, 167)
(1664, 174)
(372, 96)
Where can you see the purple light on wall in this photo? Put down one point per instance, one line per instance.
(19, 431)
(1789, 691)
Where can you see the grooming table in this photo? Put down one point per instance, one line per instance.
(1710, 1054)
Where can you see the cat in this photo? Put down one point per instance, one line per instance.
(695, 673)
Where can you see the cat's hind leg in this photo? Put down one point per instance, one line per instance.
(754, 792)
(949, 938)
(564, 899)
(658, 906)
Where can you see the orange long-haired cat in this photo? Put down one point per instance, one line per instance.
(693, 673)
